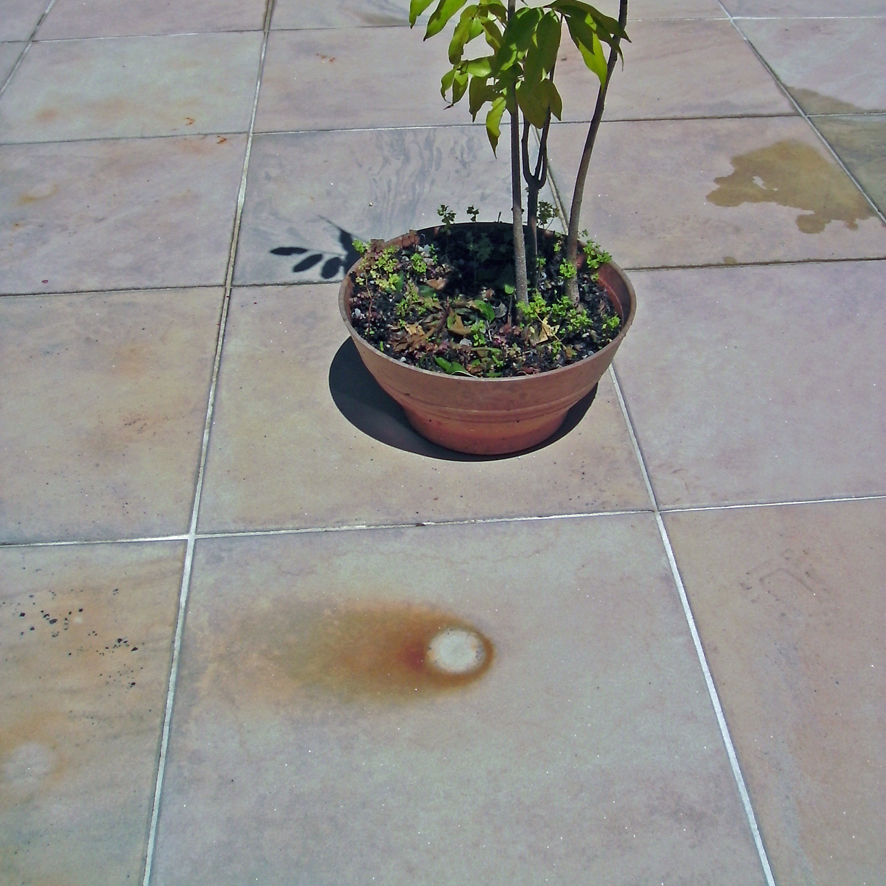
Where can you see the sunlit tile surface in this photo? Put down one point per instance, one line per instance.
(786, 599)
(587, 747)
(85, 640)
(254, 629)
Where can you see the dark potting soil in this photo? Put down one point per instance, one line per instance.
(445, 303)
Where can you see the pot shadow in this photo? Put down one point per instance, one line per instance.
(361, 400)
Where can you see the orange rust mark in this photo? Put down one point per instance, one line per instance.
(190, 121)
(355, 651)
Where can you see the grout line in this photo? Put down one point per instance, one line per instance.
(804, 116)
(28, 44)
(307, 530)
(198, 491)
(696, 640)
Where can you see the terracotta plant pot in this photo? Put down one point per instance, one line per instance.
(491, 416)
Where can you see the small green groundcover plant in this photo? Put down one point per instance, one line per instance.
(472, 302)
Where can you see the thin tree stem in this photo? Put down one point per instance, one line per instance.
(581, 177)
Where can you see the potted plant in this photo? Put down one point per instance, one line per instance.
(487, 333)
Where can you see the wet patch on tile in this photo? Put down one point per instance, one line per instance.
(858, 142)
(85, 640)
(649, 194)
(784, 599)
(806, 53)
(133, 86)
(104, 404)
(794, 174)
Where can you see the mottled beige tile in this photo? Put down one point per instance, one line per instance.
(359, 13)
(20, 17)
(85, 640)
(674, 68)
(116, 214)
(830, 66)
(9, 55)
(353, 78)
(132, 86)
(685, 192)
(110, 18)
(282, 454)
(315, 191)
(789, 603)
(104, 400)
(340, 14)
(587, 752)
(858, 141)
(807, 8)
(759, 383)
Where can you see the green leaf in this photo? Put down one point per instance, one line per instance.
(547, 38)
(532, 104)
(416, 8)
(517, 38)
(446, 82)
(484, 308)
(585, 38)
(466, 30)
(479, 92)
(552, 97)
(493, 121)
(441, 15)
(459, 86)
(478, 67)
(450, 367)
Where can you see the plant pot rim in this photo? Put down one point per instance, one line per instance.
(625, 312)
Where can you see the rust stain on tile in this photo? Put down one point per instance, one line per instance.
(67, 666)
(793, 174)
(356, 652)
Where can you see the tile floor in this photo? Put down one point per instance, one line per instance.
(218, 538)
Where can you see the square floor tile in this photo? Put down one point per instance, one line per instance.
(110, 18)
(284, 454)
(118, 214)
(584, 749)
(132, 86)
(353, 78)
(20, 17)
(674, 68)
(858, 142)
(830, 66)
(759, 384)
(789, 604)
(687, 192)
(85, 640)
(315, 192)
(104, 402)
(9, 55)
(340, 14)
(801, 8)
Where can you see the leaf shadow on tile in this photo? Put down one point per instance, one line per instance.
(361, 400)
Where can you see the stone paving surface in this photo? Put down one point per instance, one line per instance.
(219, 540)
